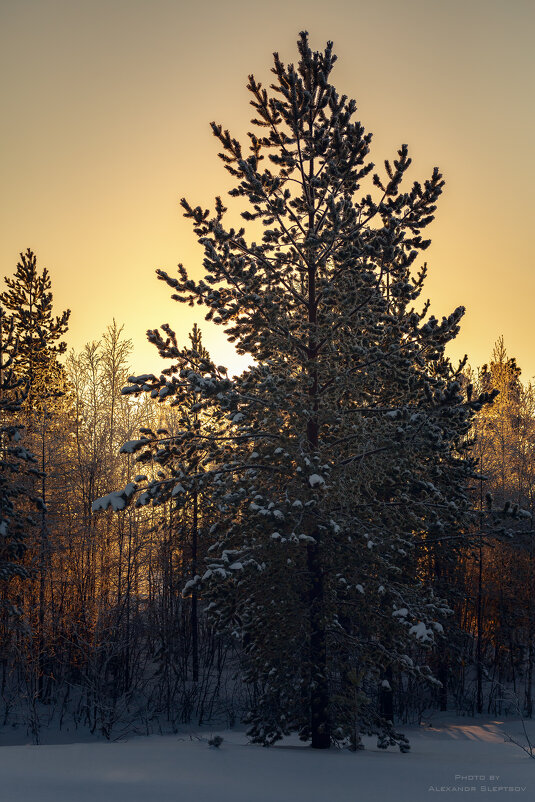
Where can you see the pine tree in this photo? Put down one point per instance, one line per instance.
(343, 456)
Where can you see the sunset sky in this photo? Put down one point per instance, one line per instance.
(106, 107)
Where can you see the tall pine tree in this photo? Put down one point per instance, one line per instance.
(343, 453)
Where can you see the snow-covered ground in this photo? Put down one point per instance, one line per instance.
(449, 758)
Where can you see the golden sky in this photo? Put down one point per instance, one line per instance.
(106, 107)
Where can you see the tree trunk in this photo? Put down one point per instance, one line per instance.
(194, 616)
(319, 689)
(479, 665)
(387, 697)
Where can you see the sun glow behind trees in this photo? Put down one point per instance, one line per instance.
(350, 389)
(120, 95)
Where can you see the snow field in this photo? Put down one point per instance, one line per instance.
(458, 759)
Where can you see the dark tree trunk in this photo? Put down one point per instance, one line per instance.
(443, 673)
(194, 612)
(319, 689)
(387, 697)
(479, 610)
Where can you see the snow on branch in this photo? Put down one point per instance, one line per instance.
(117, 500)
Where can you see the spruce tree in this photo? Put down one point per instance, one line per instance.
(343, 455)
(29, 299)
(15, 463)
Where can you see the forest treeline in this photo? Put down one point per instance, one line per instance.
(102, 627)
(331, 543)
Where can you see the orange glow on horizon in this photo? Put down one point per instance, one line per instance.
(107, 110)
